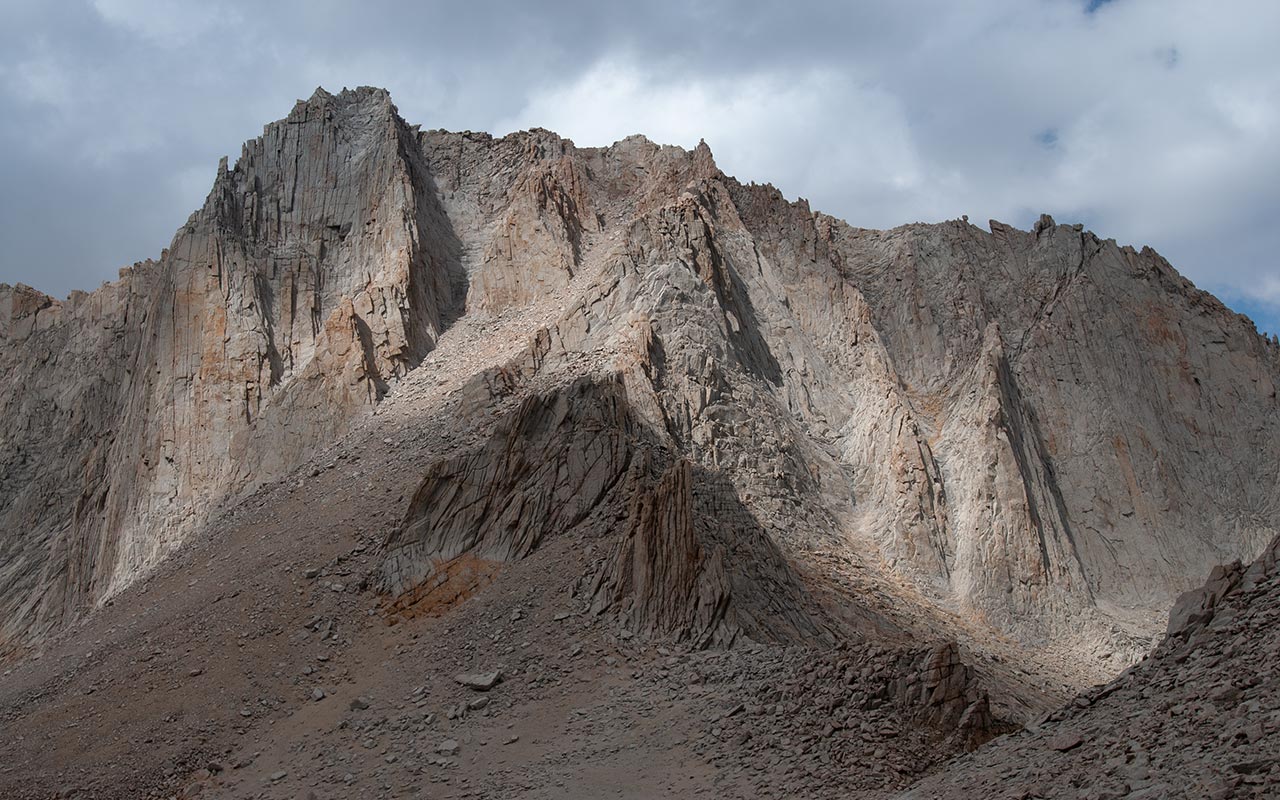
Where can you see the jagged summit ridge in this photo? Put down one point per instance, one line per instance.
(1037, 427)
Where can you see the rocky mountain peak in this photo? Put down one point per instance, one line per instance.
(961, 472)
(327, 262)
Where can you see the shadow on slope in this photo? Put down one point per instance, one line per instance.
(685, 559)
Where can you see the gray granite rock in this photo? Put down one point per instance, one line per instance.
(1049, 433)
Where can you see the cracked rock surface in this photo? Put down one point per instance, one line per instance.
(1199, 718)
(735, 497)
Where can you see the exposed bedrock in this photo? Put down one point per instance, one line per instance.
(1198, 717)
(1030, 428)
(317, 271)
(683, 558)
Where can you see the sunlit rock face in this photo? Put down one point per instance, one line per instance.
(1031, 428)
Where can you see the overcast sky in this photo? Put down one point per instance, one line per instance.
(1150, 121)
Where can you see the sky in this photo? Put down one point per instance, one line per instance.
(1153, 122)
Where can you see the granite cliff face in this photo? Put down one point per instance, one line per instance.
(1040, 432)
(284, 307)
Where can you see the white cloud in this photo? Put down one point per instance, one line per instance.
(816, 132)
(170, 23)
(40, 79)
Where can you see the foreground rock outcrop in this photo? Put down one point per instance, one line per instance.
(1199, 718)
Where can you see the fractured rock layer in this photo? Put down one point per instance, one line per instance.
(690, 563)
(1199, 718)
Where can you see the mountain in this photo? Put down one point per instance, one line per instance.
(309, 279)
(446, 376)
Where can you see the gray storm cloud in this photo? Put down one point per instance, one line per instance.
(1151, 122)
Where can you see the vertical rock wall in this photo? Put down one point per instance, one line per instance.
(318, 270)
